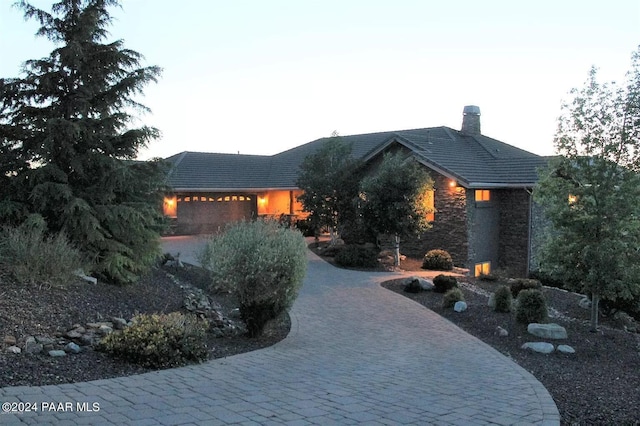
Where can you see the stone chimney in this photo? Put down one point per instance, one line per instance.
(471, 120)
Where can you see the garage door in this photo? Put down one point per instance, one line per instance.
(209, 213)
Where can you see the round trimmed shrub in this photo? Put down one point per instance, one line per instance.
(437, 260)
(357, 257)
(531, 307)
(262, 264)
(503, 299)
(451, 297)
(442, 283)
(519, 284)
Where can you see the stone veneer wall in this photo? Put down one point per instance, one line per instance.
(513, 250)
(449, 231)
(541, 227)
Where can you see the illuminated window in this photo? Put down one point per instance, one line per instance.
(429, 204)
(170, 207)
(483, 268)
(483, 195)
(227, 198)
(187, 199)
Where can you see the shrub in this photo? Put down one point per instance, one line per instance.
(451, 297)
(503, 299)
(438, 260)
(357, 257)
(262, 264)
(443, 283)
(531, 307)
(32, 257)
(160, 341)
(519, 284)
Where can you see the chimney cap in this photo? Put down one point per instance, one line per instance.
(471, 109)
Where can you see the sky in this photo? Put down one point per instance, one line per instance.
(261, 77)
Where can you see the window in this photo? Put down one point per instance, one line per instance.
(483, 268)
(429, 204)
(483, 195)
(170, 206)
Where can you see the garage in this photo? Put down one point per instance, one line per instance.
(208, 213)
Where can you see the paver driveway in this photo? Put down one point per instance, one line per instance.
(356, 354)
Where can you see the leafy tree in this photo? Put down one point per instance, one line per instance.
(394, 198)
(591, 193)
(67, 145)
(329, 179)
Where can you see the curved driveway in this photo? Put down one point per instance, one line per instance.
(356, 354)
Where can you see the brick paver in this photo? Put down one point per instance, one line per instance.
(356, 354)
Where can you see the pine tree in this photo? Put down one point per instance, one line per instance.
(67, 145)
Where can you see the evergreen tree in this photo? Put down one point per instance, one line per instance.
(591, 193)
(67, 145)
(329, 178)
(394, 198)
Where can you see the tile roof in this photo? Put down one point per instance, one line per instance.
(473, 160)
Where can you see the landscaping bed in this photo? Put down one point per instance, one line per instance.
(599, 384)
(42, 310)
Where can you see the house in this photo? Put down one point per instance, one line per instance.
(482, 194)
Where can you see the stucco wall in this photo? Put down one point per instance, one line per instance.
(483, 223)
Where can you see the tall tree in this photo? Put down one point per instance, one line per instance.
(67, 143)
(591, 193)
(394, 198)
(329, 180)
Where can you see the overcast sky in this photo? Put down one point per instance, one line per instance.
(259, 77)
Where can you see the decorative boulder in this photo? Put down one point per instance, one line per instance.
(460, 306)
(585, 303)
(566, 349)
(540, 347)
(501, 332)
(72, 347)
(31, 346)
(57, 353)
(14, 349)
(547, 331)
(417, 284)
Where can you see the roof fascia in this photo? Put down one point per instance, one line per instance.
(186, 189)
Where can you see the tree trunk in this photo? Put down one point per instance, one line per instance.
(396, 251)
(333, 235)
(595, 300)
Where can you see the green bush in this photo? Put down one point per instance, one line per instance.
(160, 341)
(32, 257)
(503, 299)
(451, 297)
(443, 283)
(262, 264)
(437, 260)
(519, 284)
(357, 257)
(531, 307)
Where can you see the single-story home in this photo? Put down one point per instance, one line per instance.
(482, 198)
